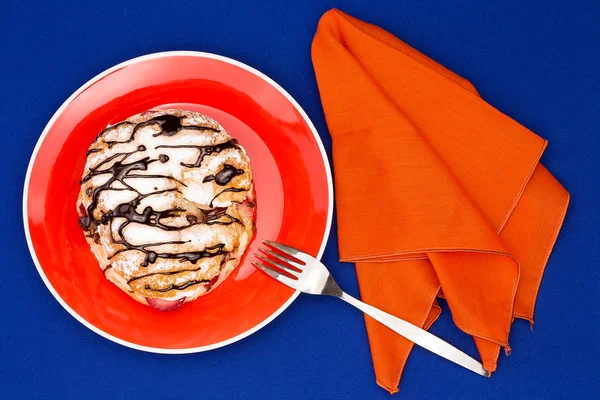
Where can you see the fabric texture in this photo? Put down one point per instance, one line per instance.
(437, 192)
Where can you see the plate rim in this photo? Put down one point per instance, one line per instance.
(59, 111)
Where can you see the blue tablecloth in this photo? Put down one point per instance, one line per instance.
(538, 62)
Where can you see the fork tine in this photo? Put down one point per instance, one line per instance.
(280, 257)
(276, 275)
(284, 267)
(288, 250)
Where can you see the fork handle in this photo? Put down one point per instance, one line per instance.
(418, 336)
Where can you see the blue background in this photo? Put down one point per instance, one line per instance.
(538, 62)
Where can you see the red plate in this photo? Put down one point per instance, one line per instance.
(293, 191)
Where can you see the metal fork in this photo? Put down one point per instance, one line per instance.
(306, 274)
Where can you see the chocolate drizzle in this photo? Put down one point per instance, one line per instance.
(121, 171)
(226, 258)
(204, 150)
(236, 190)
(213, 217)
(91, 151)
(191, 256)
(225, 175)
(84, 223)
(118, 171)
(177, 287)
(163, 273)
(169, 126)
(153, 218)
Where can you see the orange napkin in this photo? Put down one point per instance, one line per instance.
(438, 193)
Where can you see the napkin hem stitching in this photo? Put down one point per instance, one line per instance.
(548, 252)
(523, 186)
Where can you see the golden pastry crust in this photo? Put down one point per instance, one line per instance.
(167, 205)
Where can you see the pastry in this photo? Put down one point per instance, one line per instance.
(167, 205)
